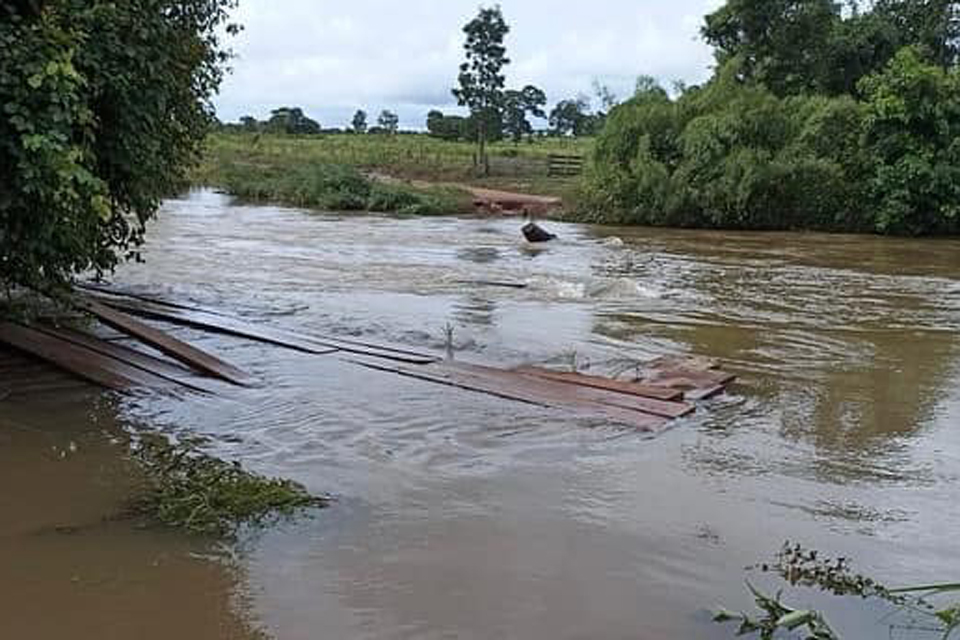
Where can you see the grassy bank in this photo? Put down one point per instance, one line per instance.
(332, 171)
(286, 171)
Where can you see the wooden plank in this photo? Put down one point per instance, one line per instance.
(706, 393)
(280, 337)
(487, 385)
(564, 392)
(165, 343)
(80, 361)
(598, 382)
(240, 328)
(494, 283)
(162, 368)
(688, 379)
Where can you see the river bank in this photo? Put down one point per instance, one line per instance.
(409, 174)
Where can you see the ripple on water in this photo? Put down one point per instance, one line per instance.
(463, 513)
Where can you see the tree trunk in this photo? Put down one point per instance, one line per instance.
(482, 136)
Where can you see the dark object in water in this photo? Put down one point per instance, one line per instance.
(533, 233)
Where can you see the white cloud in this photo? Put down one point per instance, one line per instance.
(333, 57)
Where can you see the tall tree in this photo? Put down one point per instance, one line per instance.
(932, 24)
(481, 75)
(293, 121)
(572, 117)
(389, 121)
(444, 127)
(517, 106)
(781, 43)
(359, 122)
(104, 108)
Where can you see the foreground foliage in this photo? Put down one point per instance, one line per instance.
(103, 106)
(808, 568)
(190, 490)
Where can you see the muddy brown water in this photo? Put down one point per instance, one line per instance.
(460, 515)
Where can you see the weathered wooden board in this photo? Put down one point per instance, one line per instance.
(598, 382)
(162, 368)
(241, 328)
(463, 378)
(21, 374)
(165, 343)
(564, 392)
(688, 379)
(80, 361)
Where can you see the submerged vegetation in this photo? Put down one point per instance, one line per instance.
(783, 138)
(190, 490)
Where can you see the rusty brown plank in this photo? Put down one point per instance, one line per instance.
(564, 392)
(165, 343)
(598, 382)
(502, 388)
(80, 361)
(162, 368)
(688, 379)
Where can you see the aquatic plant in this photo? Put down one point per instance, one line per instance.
(800, 566)
(188, 489)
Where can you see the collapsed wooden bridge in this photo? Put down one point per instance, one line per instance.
(667, 389)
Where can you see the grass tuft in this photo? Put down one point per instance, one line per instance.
(187, 489)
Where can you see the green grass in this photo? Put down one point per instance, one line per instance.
(187, 489)
(405, 155)
(333, 172)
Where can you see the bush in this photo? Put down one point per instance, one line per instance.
(734, 155)
(103, 106)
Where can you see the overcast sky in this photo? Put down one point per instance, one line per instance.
(333, 57)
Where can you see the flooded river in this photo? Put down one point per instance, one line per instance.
(465, 516)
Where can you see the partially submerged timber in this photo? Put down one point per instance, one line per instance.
(665, 391)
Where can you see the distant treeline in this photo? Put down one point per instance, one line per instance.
(817, 118)
(573, 117)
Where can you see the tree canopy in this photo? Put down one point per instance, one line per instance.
(103, 107)
(292, 121)
(518, 106)
(816, 118)
(359, 122)
(481, 79)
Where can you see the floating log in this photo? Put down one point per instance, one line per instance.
(165, 343)
(598, 382)
(80, 361)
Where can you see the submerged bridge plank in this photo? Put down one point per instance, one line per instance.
(503, 387)
(165, 343)
(162, 368)
(202, 319)
(598, 382)
(80, 361)
(575, 394)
